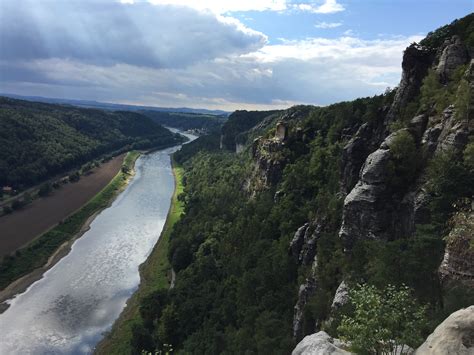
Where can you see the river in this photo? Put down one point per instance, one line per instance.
(77, 300)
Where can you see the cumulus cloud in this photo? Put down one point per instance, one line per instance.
(169, 55)
(326, 25)
(106, 33)
(327, 7)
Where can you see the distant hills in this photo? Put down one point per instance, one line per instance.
(40, 140)
(114, 107)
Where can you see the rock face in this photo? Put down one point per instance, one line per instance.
(365, 213)
(458, 261)
(303, 245)
(307, 289)
(454, 336)
(370, 210)
(454, 54)
(341, 297)
(319, 344)
(354, 154)
(415, 64)
(269, 158)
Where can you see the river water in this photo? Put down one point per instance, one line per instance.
(70, 308)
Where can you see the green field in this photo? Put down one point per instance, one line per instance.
(155, 274)
(37, 253)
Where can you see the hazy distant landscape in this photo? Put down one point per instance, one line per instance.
(236, 177)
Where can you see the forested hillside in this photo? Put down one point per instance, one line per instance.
(376, 191)
(39, 140)
(186, 121)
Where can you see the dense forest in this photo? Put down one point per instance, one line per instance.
(40, 140)
(186, 121)
(241, 261)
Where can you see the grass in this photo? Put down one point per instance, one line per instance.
(155, 275)
(37, 253)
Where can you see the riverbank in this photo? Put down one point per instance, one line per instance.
(18, 272)
(21, 227)
(155, 274)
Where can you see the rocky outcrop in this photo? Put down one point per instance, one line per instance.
(353, 156)
(454, 336)
(415, 64)
(269, 161)
(303, 245)
(306, 290)
(341, 298)
(454, 54)
(371, 211)
(458, 261)
(320, 344)
(365, 213)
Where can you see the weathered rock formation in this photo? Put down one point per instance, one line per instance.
(269, 161)
(458, 261)
(341, 298)
(415, 64)
(454, 336)
(454, 54)
(303, 245)
(306, 290)
(320, 344)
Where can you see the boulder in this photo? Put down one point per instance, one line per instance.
(454, 336)
(319, 344)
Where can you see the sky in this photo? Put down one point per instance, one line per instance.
(215, 54)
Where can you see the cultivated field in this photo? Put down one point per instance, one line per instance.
(24, 225)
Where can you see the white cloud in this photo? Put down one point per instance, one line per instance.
(228, 6)
(168, 55)
(326, 25)
(105, 33)
(328, 7)
(223, 6)
(316, 70)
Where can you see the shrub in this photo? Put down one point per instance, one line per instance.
(45, 189)
(17, 204)
(383, 320)
(404, 159)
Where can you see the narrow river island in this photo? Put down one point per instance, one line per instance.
(76, 301)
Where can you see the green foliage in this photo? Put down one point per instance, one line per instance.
(40, 140)
(45, 189)
(433, 94)
(207, 143)
(469, 156)
(186, 121)
(449, 179)
(463, 27)
(240, 121)
(404, 160)
(463, 100)
(383, 319)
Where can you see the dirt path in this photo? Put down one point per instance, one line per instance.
(21, 227)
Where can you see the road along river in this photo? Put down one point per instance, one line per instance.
(70, 308)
